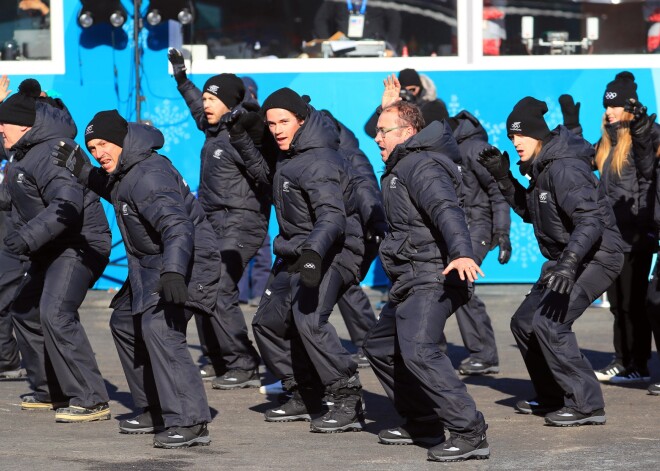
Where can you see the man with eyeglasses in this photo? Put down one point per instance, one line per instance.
(428, 256)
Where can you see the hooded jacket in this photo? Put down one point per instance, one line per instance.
(52, 212)
(421, 186)
(224, 182)
(484, 204)
(631, 194)
(563, 202)
(163, 226)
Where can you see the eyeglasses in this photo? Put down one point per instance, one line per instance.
(384, 131)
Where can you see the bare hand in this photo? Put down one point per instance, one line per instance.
(391, 92)
(4, 88)
(466, 268)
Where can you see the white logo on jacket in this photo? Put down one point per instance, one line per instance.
(124, 209)
(285, 187)
(393, 182)
(20, 178)
(543, 197)
(515, 126)
(217, 153)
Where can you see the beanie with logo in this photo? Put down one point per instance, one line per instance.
(107, 125)
(287, 99)
(620, 90)
(227, 87)
(20, 108)
(527, 119)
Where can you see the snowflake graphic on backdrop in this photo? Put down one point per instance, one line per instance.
(494, 130)
(553, 117)
(454, 106)
(172, 121)
(526, 250)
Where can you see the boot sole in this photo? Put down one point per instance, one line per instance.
(43, 406)
(248, 384)
(479, 454)
(290, 418)
(485, 371)
(354, 427)
(408, 441)
(575, 423)
(140, 431)
(654, 393)
(201, 441)
(543, 411)
(72, 418)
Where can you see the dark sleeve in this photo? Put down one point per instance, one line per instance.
(97, 180)
(256, 165)
(576, 195)
(5, 198)
(432, 190)
(499, 206)
(371, 199)
(193, 97)
(322, 20)
(644, 155)
(159, 202)
(63, 197)
(321, 184)
(370, 126)
(516, 195)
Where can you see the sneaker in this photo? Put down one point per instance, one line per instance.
(360, 358)
(237, 379)
(413, 432)
(292, 410)
(569, 417)
(631, 374)
(460, 448)
(654, 389)
(32, 403)
(474, 366)
(606, 374)
(83, 414)
(208, 372)
(18, 373)
(146, 422)
(534, 406)
(180, 437)
(345, 414)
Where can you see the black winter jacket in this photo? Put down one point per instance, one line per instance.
(485, 206)
(421, 187)
(315, 195)
(631, 194)
(52, 211)
(163, 226)
(224, 182)
(563, 202)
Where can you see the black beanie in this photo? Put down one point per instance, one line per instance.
(287, 99)
(620, 90)
(107, 125)
(527, 119)
(408, 77)
(227, 87)
(20, 108)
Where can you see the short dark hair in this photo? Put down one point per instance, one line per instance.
(408, 114)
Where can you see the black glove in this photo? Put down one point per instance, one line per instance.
(310, 268)
(570, 110)
(178, 65)
(69, 157)
(641, 123)
(376, 232)
(561, 277)
(504, 243)
(174, 288)
(16, 244)
(232, 118)
(495, 162)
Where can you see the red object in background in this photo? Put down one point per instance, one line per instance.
(492, 13)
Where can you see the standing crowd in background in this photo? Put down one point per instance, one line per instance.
(442, 204)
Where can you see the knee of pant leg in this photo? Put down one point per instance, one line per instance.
(544, 327)
(416, 354)
(520, 325)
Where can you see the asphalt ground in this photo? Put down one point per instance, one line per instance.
(242, 440)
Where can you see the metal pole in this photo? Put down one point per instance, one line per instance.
(137, 20)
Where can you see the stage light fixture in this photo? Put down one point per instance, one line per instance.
(163, 10)
(99, 11)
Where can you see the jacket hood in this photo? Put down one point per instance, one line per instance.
(49, 123)
(562, 144)
(468, 127)
(318, 131)
(436, 137)
(140, 142)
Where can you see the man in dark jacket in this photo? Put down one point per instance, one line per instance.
(489, 221)
(319, 250)
(63, 229)
(239, 211)
(173, 271)
(428, 256)
(574, 226)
